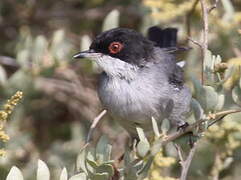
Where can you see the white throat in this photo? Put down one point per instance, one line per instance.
(115, 67)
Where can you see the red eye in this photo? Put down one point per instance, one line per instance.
(115, 47)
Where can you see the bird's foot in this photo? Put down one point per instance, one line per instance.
(191, 137)
(182, 127)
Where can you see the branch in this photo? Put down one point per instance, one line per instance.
(213, 6)
(204, 43)
(222, 114)
(195, 42)
(93, 125)
(191, 127)
(187, 162)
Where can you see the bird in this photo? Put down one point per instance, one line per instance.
(140, 77)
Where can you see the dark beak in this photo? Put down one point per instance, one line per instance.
(85, 54)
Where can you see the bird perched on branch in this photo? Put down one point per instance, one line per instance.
(140, 77)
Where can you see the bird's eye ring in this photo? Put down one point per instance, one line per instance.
(115, 47)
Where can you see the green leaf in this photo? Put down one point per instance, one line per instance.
(221, 101)
(85, 42)
(236, 95)
(208, 61)
(90, 157)
(142, 173)
(197, 109)
(3, 76)
(14, 174)
(103, 149)
(42, 171)
(100, 176)
(60, 45)
(155, 127)
(156, 147)
(80, 161)
(229, 10)
(23, 58)
(105, 168)
(208, 98)
(165, 126)
(197, 85)
(111, 20)
(80, 176)
(92, 163)
(143, 148)
(141, 134)
(64, 174)
(39, 50)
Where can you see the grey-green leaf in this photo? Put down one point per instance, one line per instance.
(3, 76)
(155, 127)
(197, 109)
(221, 101)
(103, 149)
(100, 176)
(165, 126)
(208, 98)
(105, 168)
(143, 148)
(144, 171)
(14, 174)
(85, 42)
(64, 174)
(111, 20)
(236, 94)
(80, 161)
(42, 171)
(141, 134)
(80, 176)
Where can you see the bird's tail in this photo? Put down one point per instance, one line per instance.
(163, 38)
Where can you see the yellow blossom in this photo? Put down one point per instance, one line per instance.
(2, 152)
(4, 114)
(3, 136)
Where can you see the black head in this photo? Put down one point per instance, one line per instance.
(124, 44)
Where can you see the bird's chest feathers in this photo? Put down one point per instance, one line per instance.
(124, 98)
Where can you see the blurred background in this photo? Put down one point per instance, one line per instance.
(38, 39)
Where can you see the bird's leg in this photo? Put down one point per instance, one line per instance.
(191, 139)
(182, 127)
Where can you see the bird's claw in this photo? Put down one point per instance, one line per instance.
(182, 127)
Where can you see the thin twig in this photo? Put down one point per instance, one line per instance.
(191, 127)
(187, 162)
(204, 43)
(223, 114)
(213, 6)
(179, 151)
(195, 42)
(93, 125)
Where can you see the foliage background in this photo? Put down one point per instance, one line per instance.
(38, 39)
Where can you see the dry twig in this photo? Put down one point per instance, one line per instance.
(213, 6)
(204, 44)
(191, 127)
(93, 125)
(187, 162)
